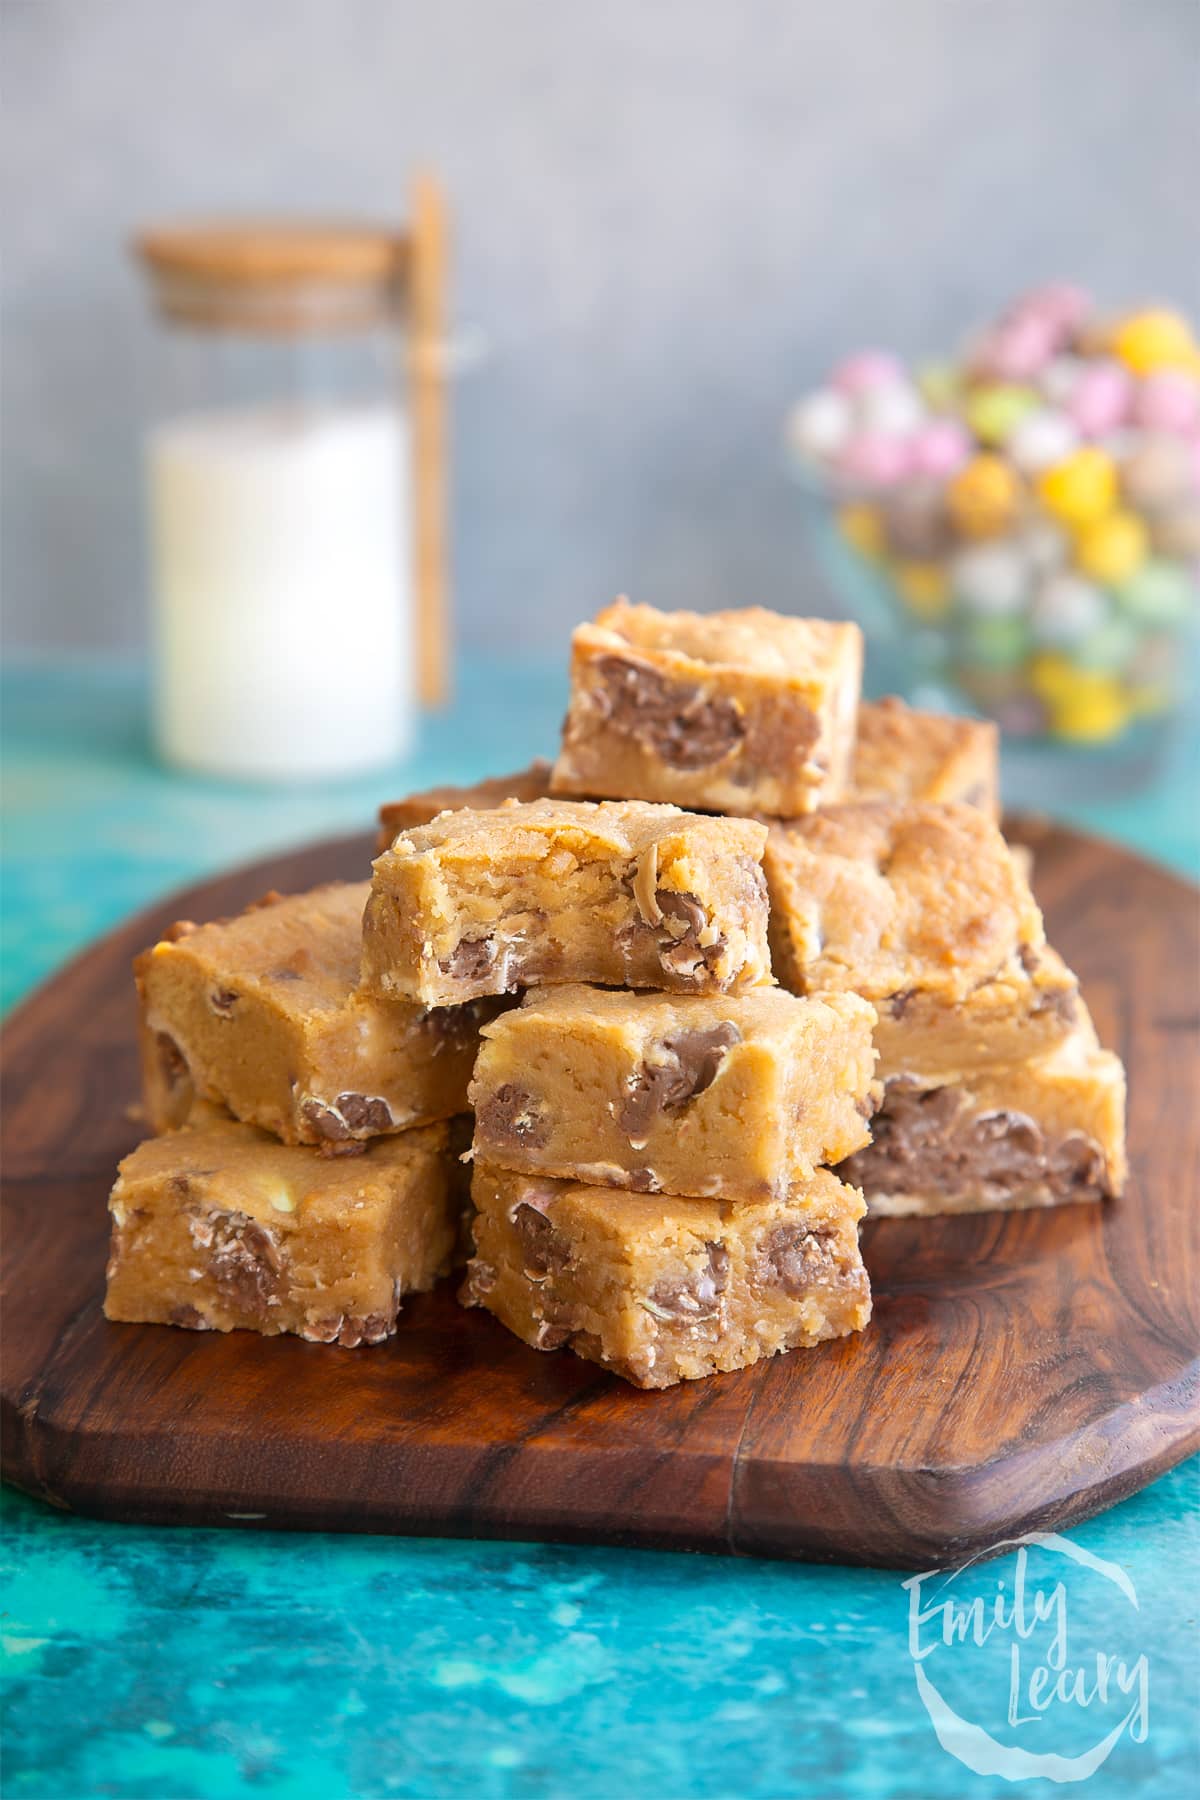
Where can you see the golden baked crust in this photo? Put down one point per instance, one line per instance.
(902, 754)
(732, 712)
(395, 816)
(664, 1290)
(620, 893)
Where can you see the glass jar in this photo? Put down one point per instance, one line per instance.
(278, 472)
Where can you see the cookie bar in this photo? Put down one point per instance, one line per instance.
(261, 1013)
(396, 816)
(924, 911)
(625, 895)
(224, 1228)
(727, 712)
(902, 754)
(663, 1291)
(736, 1096)
(1044, 1132)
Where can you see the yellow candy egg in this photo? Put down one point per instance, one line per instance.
(1111, 548)
(924, 589)
(1154, 339)
(1090, 709)
(1080, 488)
(1050, 675)
(983, 497)
(862, 528)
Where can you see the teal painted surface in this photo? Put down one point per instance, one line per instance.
(189, 1665)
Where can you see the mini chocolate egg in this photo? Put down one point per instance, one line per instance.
(1176, 532)
(1111, 548)
(1110, 647)
(924, 589)
(992, 643)
(1160, 593)
(1168, 400)
(1060, 302)
(1100, 400)
(1155, 663)
(1081, 487)
(1018, 348)
(992, 690)
(1051, 674)
(1057, 380)
(820, 425)
(1067, 609)
(914, 518)
(1043, 545)
(1041, 439)
(868, 369)
(994, 412)
(1091, 710)
(940, 385)
(1022, 717)
(862, 528)
(939, 447)
(990, 579)
(892, 411)
(983, 497)
(1155, 338)
(871, 460)
(1156, 473)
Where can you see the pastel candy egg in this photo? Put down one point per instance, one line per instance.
(1058, 379)
(820, 425)
(1040, 439)
(1155, 338)
(1081, 487)
(1043, 545)
(1168, 400)
(1022, 716)
(924, 589)
(1177, 533)
(1160, 593)
(1110, 647)
(862, 528)
(983, 497)
(1060, 302)
(994, 412)
(868, 369)
(940, 384)
(1067, 609)
(1157, 472)
(894, 411)
(1090, 710)
(1111, 548)
(1051, 674)
(1100, 399)
(915, 520)
(992, 643)
(1018, 348)
(873, 459)
(990, 579)
(939, 447)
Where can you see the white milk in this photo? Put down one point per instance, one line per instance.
(283, 601)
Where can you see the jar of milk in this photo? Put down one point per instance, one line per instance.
(279, 499)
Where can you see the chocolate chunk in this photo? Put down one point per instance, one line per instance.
(470, 960)
(551, 1335)
(545, 1249)
(688, 1065)
(899, 1003)
(682, 952)
(782, 736)
(367, 1114)
(481, 1279)
(325, 1121)
(187, 1318)
(694, 1296)
(1062, 1002)
(513, 1117)
(243, 1259)
(223, 1000)
(683, 726)
(795, 1258)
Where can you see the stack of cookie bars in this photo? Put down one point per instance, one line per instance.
(749, 960)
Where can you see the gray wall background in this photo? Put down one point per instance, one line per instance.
(671, 216)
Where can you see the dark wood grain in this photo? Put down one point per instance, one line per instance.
(1020, 1370)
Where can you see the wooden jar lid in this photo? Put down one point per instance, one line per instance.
(274, 275)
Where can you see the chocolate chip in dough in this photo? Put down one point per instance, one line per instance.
(688, 1066)
(684, 728)
(513, 1117)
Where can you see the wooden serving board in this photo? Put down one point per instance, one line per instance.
(1021, 1369)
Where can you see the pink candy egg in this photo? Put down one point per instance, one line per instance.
(1019, 348)
(1168, 400)
(1100, 399)
(1062, 305)
(868, 369)
(939, 448)
(874, 460)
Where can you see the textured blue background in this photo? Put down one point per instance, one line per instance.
(189, 1665)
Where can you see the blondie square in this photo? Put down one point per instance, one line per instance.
(902, 754)
(621, 894)
(733, 712)
(925, 912)
(262, 1014)
(736, 1096)
(1043, 1132)
(661, 1290)
(396, 816)
(224, 1227)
